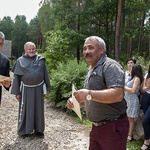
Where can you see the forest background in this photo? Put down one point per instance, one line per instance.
(61, 26)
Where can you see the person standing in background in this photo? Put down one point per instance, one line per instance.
(4, 66)
(146, 110)
(30, 73)
(132, 96)
(102, 97)
(130, 63)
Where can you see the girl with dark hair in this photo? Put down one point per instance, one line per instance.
(131, 96)
(130, 62)
(146, 110)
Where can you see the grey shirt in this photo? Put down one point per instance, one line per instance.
(107, 74)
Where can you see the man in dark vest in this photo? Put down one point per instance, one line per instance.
(4, 66)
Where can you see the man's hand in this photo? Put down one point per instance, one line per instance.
(80, 95)
(70, 104)
(18, 97)
(6, 83)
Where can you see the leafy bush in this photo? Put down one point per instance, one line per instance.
(62, 79)
(144, 63)
(12, 61)
(61, 46)
(135, 145)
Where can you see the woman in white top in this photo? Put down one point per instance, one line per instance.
(146, 110)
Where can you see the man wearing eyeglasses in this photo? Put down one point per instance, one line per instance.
(4, 66)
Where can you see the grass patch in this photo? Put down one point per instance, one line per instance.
(135, 145)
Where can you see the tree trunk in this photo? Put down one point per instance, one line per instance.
(117, 32)
(149, 49)
(78, 30)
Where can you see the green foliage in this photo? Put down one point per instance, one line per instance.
(34, 29)
(135, 145)
(12, 61)
(62, 79)
(46, 17)
(84, 17)
(61, 46)
(6, 26)
(19, 36)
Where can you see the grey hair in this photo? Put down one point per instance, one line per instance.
(2, 36)
(29, 43)
(100, 41)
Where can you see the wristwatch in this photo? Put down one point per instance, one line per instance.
(89, 97)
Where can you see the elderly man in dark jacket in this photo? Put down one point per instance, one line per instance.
(4, 66)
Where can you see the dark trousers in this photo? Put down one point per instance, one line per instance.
(111, 136)
(146, 117)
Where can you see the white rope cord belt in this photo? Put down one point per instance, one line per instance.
(22, 102)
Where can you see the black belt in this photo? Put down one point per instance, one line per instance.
(103, 122)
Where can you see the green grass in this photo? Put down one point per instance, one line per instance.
(135, 145)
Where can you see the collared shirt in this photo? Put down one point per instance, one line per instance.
(107, 74)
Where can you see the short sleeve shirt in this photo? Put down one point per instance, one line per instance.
(107, 74)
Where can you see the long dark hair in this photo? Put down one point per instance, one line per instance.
(137, 71)
(148, 75)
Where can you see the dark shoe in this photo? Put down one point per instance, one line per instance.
(39, 134)
(23, 136)
(145, 147)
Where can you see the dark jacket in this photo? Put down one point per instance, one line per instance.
(4, 69)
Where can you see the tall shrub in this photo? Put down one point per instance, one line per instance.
(62, 79)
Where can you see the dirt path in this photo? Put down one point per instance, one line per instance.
(61, 132)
